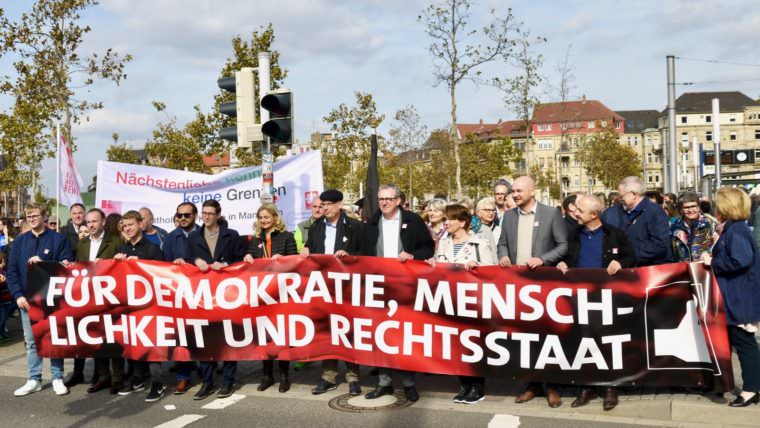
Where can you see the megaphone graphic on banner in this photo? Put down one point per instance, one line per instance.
(685, 342)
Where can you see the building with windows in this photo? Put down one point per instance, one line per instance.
(739, 136)
(641, 132)
(558, 130)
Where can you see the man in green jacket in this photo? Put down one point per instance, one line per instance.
(302, 231)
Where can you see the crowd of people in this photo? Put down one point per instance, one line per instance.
(627, 228)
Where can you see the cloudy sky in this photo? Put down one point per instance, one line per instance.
(333, 48)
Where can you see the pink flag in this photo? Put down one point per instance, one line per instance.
(70, 181)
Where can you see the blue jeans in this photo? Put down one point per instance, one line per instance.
(33, 360)
(228, 370)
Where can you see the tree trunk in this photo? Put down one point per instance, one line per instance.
(454, 139)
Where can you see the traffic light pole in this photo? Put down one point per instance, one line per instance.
(267, 159)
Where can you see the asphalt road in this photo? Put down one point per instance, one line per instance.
(79, 409)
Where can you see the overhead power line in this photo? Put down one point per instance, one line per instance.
(716, 61)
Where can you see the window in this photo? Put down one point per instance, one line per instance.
(577, 180)
(544, 144)
(732, 136)
(650, 178)
(683, 119)
(708, 135)
(685, 137)
(757, 134)
(732, 118)
(548, 127)
(656, 178)
(576, 162)
(591, 125)
(708, 118)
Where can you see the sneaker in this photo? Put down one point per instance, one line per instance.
(463, 390)
(59, 387)
(225, 391)
(475, 395)
(157, 390)
(130, 388)
(29, 387)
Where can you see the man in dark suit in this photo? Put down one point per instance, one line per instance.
(98, 245)
(532, 234)
(393, 232)
(644, 222)
(337, 234)
(75, 226)
(596, 245)
(214, 246)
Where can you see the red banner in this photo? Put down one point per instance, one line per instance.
(660, 325)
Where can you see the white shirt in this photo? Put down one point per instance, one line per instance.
(330, 231)
(95, 246)
(391, 235)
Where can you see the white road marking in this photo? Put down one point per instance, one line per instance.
(504, 421)
(170, 407)
(181, 421)
(221, 403)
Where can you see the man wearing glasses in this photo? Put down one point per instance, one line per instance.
(393, 232)
(37, 245)
(214, 246)
(502, 195)
(694, 233)
(644, 222)
(175, 251)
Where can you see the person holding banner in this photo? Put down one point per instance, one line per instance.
(735, 261)
(533, 235)
(271, 240)
(340, 235)
(600, 246)
(98, 246)
(175, 251)
(37, 245)
(644, 222)
(138, 247)
(461, 246)
(214, 246)
(394, 232)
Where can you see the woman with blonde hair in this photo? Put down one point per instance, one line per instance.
(436, 213)
(735, 262)
(271, 240)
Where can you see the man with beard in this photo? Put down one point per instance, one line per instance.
(175, 251)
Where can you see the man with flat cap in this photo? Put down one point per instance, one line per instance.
(339, 235)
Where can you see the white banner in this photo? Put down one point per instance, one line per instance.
(297, 179)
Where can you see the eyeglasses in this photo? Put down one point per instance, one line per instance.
(184, 215)
(387, 199)
(52, 223)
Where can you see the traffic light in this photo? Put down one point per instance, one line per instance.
(243, 109)
(279, 127)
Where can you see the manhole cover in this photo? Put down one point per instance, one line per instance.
(359, 404)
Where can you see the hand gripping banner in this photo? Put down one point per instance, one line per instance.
(660, 325)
